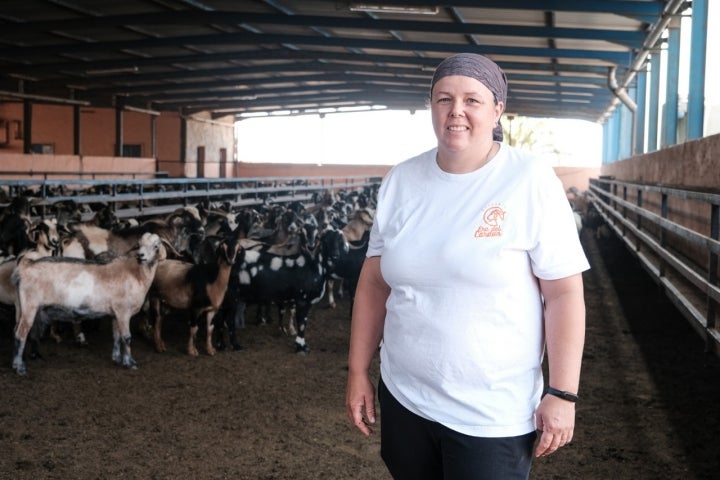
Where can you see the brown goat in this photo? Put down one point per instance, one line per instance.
(196, 287)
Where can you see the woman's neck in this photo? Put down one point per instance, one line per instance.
(466, 161)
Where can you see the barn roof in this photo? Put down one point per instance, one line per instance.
(295, 56)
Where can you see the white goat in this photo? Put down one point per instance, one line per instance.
(117, 288)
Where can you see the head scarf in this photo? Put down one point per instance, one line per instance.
(481, 69)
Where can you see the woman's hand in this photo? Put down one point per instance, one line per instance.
(360, 402)
(555, 421)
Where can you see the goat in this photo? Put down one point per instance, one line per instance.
(579, 205)
(347, 269)
(45, 243)
(357, 234)
(261, 277)
(177, 231)
(15, 223)
(116, 288)
(217, 222)
(200, 288)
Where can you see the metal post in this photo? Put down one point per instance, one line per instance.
(712, 273)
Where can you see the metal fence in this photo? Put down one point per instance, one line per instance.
(146, 198)
(673, 231)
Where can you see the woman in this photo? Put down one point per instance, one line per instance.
(473, 270)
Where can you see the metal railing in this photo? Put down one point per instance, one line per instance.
(145, 198)
(673, 231)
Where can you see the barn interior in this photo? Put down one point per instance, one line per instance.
(142, 90)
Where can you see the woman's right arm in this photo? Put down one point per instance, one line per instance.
(366, 331)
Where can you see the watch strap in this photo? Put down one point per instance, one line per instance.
(569, 396)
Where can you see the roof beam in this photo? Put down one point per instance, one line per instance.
(624, 37)
(80, 68)
(18, 52)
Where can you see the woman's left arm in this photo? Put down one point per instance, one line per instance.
(565, 337)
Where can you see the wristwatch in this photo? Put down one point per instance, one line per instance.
(570, 397)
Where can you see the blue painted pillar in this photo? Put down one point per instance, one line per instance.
(605, 150)
(640, 96)
(607, 134)
(670, 119)
(625, 130)
(696, 86)
(612, 134)
(654, 106)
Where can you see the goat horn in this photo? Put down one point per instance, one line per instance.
(169, 247)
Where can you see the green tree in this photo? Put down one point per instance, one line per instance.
(529, 133)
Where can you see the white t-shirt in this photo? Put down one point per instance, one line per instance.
(463, 340)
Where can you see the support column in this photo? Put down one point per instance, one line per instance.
(654, 107)
(76, 130)
(698, 53)
(670, 119)
(640, 101)
(118, 131)
(27, 126)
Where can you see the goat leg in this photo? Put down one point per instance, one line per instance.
(209, 333)
(156, 320)
(18, 362)
(79, 334)
(127, 360)
(301, 315)
(191, 348)
(121, 354)
(331, 292)
(24, 323)
(54, 333)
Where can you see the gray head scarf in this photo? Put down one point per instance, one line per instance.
(481, 69)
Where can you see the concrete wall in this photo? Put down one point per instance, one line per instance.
(692, 164)
(696, 165)
(246, 169)
(61, 167)
(578, 177)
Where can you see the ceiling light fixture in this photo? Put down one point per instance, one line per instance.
(404, 9)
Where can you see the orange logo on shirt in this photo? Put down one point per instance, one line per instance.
(493, 216)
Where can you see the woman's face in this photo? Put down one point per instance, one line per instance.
(464, 113)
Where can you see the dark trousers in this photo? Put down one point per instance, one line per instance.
(414, 448)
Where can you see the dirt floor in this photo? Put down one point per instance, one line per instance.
(649, 408)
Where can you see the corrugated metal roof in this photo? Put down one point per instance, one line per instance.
(252, 57)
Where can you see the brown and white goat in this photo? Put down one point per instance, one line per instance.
(176, 230)
(199, 288)
(116, 288)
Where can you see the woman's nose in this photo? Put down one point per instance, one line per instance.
(457, 109)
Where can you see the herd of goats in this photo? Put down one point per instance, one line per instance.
(207, 261)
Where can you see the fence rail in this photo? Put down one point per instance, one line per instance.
(144, 198)
(674, 234)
